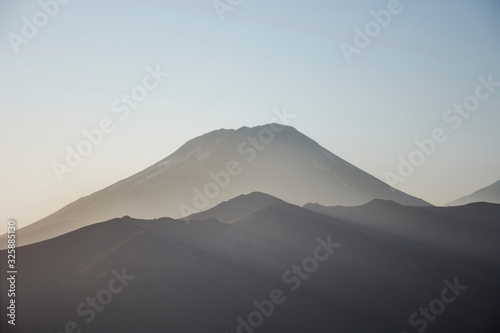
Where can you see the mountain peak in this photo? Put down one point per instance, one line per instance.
(243, 205)
(221, 165)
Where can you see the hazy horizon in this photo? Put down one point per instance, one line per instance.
(234, 72)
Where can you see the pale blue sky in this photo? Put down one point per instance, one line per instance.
(233, 73)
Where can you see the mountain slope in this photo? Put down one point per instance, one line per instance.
(486, 194)
(243, 206)
(203, 275)
(471, 230)
(219, 166)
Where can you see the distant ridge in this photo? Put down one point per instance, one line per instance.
(486, 194)
(472, 229)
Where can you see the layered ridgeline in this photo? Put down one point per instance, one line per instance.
(486, 194)
(221, 165)
(271, 267)
(471, 230)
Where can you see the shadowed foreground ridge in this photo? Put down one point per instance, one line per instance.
(202, 275)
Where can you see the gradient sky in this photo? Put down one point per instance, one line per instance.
(264, 55)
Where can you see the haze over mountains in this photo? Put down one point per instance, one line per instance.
(134, 201)
(207, 276)
(472, 230)
(218, 166)
(487, 194)
(260, 243)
